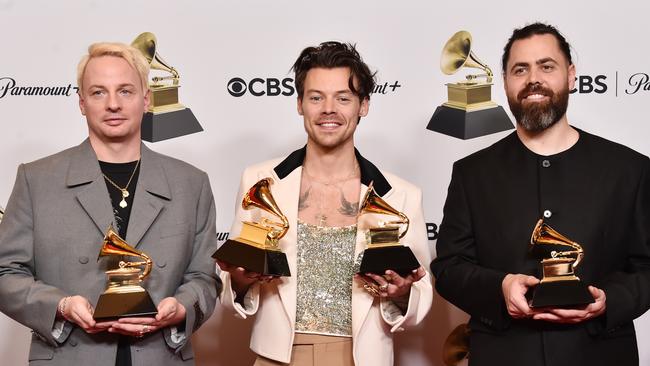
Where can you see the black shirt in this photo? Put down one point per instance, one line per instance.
(120, 173)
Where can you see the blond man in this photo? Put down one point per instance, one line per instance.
(58, 213)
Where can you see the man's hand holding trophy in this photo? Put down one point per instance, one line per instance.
(387, 268)
(255, 255)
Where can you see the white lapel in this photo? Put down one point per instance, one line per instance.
(286, 193)
(361, 300)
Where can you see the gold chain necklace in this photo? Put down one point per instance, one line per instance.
(125, 192)
(354, 172)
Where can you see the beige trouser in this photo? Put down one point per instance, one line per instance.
(316, 350)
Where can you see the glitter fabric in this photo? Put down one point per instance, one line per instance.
(325, 270)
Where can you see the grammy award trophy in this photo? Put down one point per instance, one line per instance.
(124, 297)
(559, 287)
(256, 248)
(384, 251)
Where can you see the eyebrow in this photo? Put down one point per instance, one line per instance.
(545, 60)
(344, 91)
(104, 87)
(538, 62)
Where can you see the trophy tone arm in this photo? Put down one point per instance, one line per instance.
(147, 263)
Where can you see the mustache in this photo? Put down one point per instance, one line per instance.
(330, 118)
(535, 88)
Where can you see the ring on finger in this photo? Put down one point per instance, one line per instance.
(145, 329)
(383, 287)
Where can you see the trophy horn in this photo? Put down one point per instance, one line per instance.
(259, 195)
(114, 245)
(456, 346)
(457, 53)
(146, 44)
(556, 244)
(373, 203)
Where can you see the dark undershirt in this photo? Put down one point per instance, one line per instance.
(120, 174)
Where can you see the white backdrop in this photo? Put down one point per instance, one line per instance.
(212, 42)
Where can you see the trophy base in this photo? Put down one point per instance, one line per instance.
(398, 258)
(465, 124)
(254, 259)
(560, 294)
(162, 126)
(124, 305)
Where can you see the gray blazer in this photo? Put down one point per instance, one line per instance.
(50, 239)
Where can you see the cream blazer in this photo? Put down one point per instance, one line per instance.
(274, 304)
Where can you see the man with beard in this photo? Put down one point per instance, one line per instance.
(591, 190)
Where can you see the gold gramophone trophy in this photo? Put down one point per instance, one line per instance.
(384, 251)
(166, 117)
(124, 297)
(560, 287)
(256, 248)
(469, 111)
(456, 346)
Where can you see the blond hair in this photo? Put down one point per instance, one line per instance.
(131, 55)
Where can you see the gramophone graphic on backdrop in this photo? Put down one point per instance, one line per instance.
(166, 117)
(469, 111)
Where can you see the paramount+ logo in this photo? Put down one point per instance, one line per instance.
(258, 87)
(9, 87)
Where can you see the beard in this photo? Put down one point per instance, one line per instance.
(538, 116)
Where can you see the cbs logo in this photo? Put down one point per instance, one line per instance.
(258, 87)
(586, 84)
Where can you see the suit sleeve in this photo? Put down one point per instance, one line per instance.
(200, 286)
(459, 277)
(628, 292)
(252, 297)
(23, 297)
(421, 295)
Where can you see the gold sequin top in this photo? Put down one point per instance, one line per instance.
(325, 270)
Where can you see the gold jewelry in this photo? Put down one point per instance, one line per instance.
(125, 192)
(145, 328)
(371, 289)
(383, 287)
(334, 181)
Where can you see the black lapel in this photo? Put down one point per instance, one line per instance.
(369, 172)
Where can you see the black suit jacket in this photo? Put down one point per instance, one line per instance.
(596, 193)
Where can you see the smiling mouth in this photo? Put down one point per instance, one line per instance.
(329, 124)
(535, 96)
